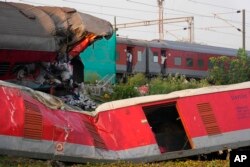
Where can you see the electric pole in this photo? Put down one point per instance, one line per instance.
(243, 30)
(161, 31)
(190, 21)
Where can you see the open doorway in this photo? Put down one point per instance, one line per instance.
(167, 127)
(129, 59)
(163, 61)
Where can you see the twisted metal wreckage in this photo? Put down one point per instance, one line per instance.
(142, 129)
(40, 47)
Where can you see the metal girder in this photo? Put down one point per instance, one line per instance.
(153, 22)
(189, 20)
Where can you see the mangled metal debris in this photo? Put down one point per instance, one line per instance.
(40, 48)
(80, 98)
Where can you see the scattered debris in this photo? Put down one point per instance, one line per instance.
(52, 75)
(80, 98)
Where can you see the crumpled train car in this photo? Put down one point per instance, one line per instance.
(142, 129)
(37, 34)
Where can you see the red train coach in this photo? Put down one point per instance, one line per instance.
(142, 129)
(168, 57)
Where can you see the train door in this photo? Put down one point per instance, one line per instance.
(167, 127)
(163, 61)
(129, 59)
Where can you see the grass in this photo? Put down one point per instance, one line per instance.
(8, 161)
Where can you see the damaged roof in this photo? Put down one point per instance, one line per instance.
(44, 28)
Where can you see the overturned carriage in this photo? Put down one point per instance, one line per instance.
(142, 129)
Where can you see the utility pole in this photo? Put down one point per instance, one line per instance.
(115, 24)
(243, 30)
(191, 29)
(161, 31)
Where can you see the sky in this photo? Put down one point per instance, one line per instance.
(215, 21)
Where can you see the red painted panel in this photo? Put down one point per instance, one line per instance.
(125, 128)
(116, 130)
(135, 54)
(12, 112)
(122, 54)
(231, 110)
(13, 57)
(188, 54)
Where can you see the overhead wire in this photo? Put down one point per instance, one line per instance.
(209, 4)
(137, 10)
(176, 10)
(112, 7)
(101, 13)
(183, 11)
(31, 2)
(132, 18)
(226, 21)
(226, 33)
(213, 5)
(173, 35)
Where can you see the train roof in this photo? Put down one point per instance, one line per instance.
(185, 46)
(137, 42)
(43, 28)
(56, 103)
(171, 96)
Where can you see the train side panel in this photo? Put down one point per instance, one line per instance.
(187, 59)
(30, 127)
(216, 119)
(121, 58)
(11, 60)
(187, 63)
(139, 61)
(162, 127)
(154, 60)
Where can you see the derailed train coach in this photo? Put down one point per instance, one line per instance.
(143, 129)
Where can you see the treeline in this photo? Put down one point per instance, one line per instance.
(227, 70)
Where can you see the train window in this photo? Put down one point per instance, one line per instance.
(155, 57)
(139, 55)
(200, 63)
(189, 62)
(177, 61)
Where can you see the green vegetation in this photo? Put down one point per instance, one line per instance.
(157, 85)
(227, 70)
(25, 162)
(169, 84)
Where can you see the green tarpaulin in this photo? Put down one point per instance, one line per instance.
(99, 60)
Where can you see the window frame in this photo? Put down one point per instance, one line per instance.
(189, 62)
(155, 55)
(139, 56)
(200, 63)
(178, 61)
